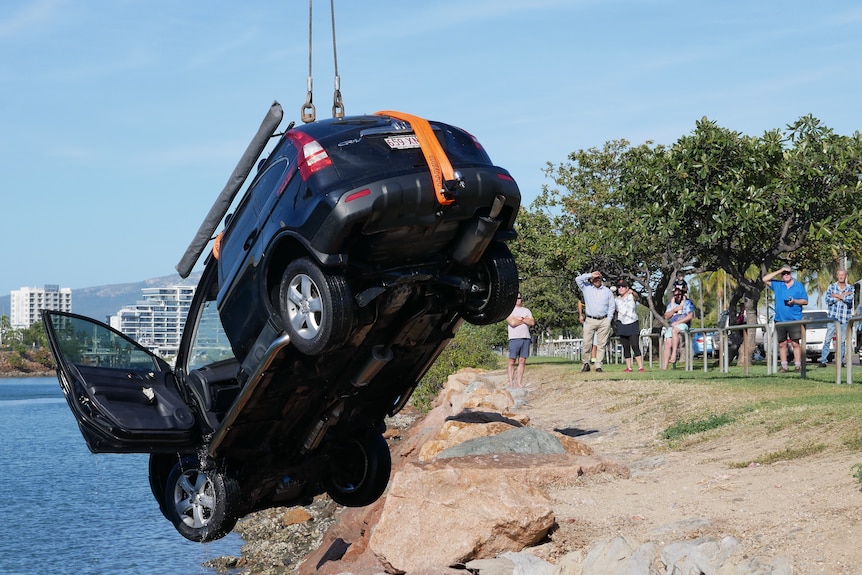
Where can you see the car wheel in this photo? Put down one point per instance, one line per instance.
(360, 471)
(316, 307)
(498, 272)
(202, 504)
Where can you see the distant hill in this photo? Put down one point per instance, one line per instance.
(101, 302)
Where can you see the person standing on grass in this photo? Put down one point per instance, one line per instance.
(519, 323)
(790, 296)
(593, 348)
(629, 326)
(600, 306)
(839, 302)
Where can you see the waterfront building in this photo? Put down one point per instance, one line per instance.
(157, 321)
(26, 303)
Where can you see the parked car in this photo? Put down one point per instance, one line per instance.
(704, 342)
(351, 260)
(815, 333)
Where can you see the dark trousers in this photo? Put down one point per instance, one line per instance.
(631, 344)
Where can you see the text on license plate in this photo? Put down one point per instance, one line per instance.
(402, 142)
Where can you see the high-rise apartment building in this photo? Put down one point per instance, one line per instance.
(156, 322)
(26, 303)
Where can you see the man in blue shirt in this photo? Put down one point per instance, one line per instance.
(790, 296)
(839, 301)
(600, 307)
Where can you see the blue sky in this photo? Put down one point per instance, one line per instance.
(122, 120)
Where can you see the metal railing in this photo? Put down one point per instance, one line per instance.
(572, 349)
(770, 345)
(848, 349)
(723, 334)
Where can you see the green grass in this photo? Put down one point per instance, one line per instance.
(788, 454)
(697, 426)
(812, 415)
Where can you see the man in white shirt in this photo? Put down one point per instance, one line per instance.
(519, 323)
(600, 307)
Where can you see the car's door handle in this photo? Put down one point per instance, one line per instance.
(249, 241)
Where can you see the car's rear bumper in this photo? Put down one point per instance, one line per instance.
(399, 220)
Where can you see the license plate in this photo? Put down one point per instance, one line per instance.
(402, 142)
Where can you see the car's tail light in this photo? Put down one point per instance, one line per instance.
(312, 156)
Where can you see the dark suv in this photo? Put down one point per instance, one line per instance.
(348, 264)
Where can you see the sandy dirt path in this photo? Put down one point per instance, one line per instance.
(807, 510)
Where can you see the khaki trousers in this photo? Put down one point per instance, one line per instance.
(602, 329)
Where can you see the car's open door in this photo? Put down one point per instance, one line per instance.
(123, 397)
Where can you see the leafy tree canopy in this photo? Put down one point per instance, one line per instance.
(715, 200)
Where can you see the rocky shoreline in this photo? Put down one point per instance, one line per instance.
(25, 367)
(486, 512)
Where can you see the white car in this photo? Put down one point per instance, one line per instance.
(815, 333)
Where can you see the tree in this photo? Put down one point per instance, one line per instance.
(544, 262)
(34, 336)
(740, 201)
(714, 200)
(591, 226)
(4, 328)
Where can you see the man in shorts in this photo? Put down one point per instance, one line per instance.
(790, 296)
(519, 323)
(679, 312)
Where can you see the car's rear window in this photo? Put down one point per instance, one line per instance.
(813, 315)
(384, 151)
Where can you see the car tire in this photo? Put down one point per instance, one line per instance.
(498, 272)
(201, 504)
(316, 307)
(360, 470)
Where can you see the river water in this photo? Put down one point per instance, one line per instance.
(64, 510)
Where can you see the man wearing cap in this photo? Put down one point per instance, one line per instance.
(600, 306)
(790, 296)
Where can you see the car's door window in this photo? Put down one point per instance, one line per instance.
(84, 342)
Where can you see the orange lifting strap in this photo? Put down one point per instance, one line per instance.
(438, 162)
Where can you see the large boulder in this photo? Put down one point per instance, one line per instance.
(468, 483)
(445, 514)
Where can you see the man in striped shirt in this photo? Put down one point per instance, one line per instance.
(839, 300)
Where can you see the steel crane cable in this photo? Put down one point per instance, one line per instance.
(337, 104)
(307, 112)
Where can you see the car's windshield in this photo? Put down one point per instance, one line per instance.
(210, 343)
